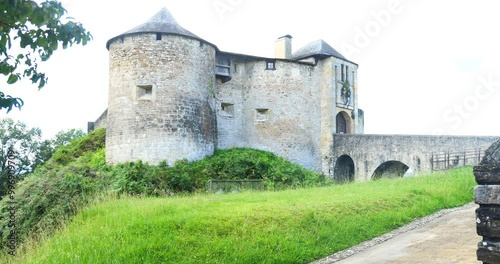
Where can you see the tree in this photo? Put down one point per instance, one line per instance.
(64, 137)
(24, 141)
(30, 150)
(38, 30)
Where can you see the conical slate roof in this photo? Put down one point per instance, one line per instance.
(315, 48)
(162, 22)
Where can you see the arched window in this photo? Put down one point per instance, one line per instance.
(341, 124)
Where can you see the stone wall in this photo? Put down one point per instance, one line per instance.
(160, 103)
(300, 104)
(370, 151)
(102, 120)
(487, 195)
(274, 110)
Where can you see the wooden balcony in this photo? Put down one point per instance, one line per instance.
(223, 68)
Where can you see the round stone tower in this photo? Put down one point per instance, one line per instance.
(160, 92)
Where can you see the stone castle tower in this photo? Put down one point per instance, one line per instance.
(160, 82)
(173, 95)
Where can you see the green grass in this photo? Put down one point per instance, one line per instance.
(291, 226)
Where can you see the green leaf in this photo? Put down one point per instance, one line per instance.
(13, 78)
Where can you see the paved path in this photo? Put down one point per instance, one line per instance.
(450, 238)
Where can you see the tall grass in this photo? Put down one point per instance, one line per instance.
(291, 226)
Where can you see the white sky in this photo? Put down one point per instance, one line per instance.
(425, 67)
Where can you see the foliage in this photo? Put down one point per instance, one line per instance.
(292, 226)
(31, 150)
(30, 33)
(76, 148)
(52, 194)
(24, 141)
(49, 146)
(231, 164)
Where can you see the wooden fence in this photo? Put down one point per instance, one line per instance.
(452, 159)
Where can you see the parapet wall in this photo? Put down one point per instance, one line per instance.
(416, 151)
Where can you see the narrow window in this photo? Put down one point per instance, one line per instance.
(271, 65)
(144, 92)
(347, 73)
(227, 109)
(158, 36)
(235, 68)
(261, 115)
(336, 73)
(342, 72)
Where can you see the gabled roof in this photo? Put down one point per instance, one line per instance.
(316, 48)
(163, 22)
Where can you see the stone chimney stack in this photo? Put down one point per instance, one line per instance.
(283, 47)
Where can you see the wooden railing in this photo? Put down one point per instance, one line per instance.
(452, 159)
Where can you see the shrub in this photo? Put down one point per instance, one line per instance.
(76, 148)
(46, 198)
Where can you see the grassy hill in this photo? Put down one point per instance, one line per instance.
(77, 174)
(289, 226)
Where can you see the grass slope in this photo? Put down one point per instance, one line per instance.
(292, 226)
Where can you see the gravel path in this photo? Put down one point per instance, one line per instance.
(378, 240)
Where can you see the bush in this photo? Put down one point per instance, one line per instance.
(56, 190)
(138, 178)
(76, 148)
(245, 163)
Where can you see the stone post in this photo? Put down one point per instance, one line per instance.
(487, 195)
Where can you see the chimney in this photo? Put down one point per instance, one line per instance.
(283, 47)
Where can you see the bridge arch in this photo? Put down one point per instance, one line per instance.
(344, 169)
(390, 169)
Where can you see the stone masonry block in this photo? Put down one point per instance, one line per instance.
(492, 155)
(487, 173)
(488, 252)
(488, 221)
(487, 194)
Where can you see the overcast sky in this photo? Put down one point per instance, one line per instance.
(425, 67)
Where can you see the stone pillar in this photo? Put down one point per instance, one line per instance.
(487, 195)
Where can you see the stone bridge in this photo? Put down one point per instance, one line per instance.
(365, 157)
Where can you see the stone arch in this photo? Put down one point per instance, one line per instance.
(343, 123)
(344, 169)
(390, 169)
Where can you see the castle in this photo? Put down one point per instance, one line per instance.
(174, 95)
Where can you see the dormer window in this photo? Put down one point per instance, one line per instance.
(271, 65)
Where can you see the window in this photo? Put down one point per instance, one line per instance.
(271, 65)
(342, 72)
(341, 124)
(261, 115)
(347, 73)
(158, 36)
(235, 68)
(144, 92)
(227, 109)
(336, 73)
